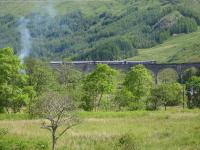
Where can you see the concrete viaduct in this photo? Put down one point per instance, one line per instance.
(155, 68)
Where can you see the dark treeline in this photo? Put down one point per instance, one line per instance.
(104, 36)
(22, 87)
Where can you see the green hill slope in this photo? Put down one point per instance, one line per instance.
(98, 30)
(180, 48)
(62, 7)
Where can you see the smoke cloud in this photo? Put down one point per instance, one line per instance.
(25, 38)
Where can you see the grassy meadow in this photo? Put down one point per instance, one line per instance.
(173, 129)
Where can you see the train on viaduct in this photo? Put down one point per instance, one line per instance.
(153, 66)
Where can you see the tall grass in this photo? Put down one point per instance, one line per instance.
(11, 116)
(159, 130)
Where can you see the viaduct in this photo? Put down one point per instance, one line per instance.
(155, 68)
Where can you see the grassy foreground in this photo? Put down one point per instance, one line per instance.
(159, 130)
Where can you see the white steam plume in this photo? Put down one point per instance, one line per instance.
(25, 38)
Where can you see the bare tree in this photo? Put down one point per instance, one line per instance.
(58, 111)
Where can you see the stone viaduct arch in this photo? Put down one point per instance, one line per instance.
(179, 68)
(167, 75)
(88, 66)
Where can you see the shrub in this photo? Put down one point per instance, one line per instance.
(135, 105)
(127, 142)
(193, 88)
(123, 98)
(3, 131)
(168, 94)
(16, 143)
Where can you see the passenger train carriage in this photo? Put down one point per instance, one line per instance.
(104, 62)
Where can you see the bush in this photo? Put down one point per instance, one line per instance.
(12, 116)
(135, 105)
(3, 131)
(151, 106)
(193, 88)
(127, 142)
(168, 94)
(189, 73)
(123, 98)
(16, 143)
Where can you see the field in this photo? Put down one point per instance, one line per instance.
(159, 130)
(180, 48)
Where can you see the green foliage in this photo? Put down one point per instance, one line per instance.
(3, 132)
(167, 76)
(156, 97)
(114, 49)
(108, 30)
(189, 9)
(10, 36)
(123, 98)
(168, 94)
(184, 25)
(31, 94)
(177, 49)
(166, 130)
(12, 116)
(189, 73)
(10, 143)
(69, 76)
(107, 51)
(70, 82)
(139, 82)
(162, 36)
(97, 83)
(193, 88)
(41, 79)
(41, 75)
(13, 82)
(127, 142)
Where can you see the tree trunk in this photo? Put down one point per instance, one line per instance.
(165, 107)
(53, 139)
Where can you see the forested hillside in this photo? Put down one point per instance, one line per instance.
(180, 48)
(98, 30)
